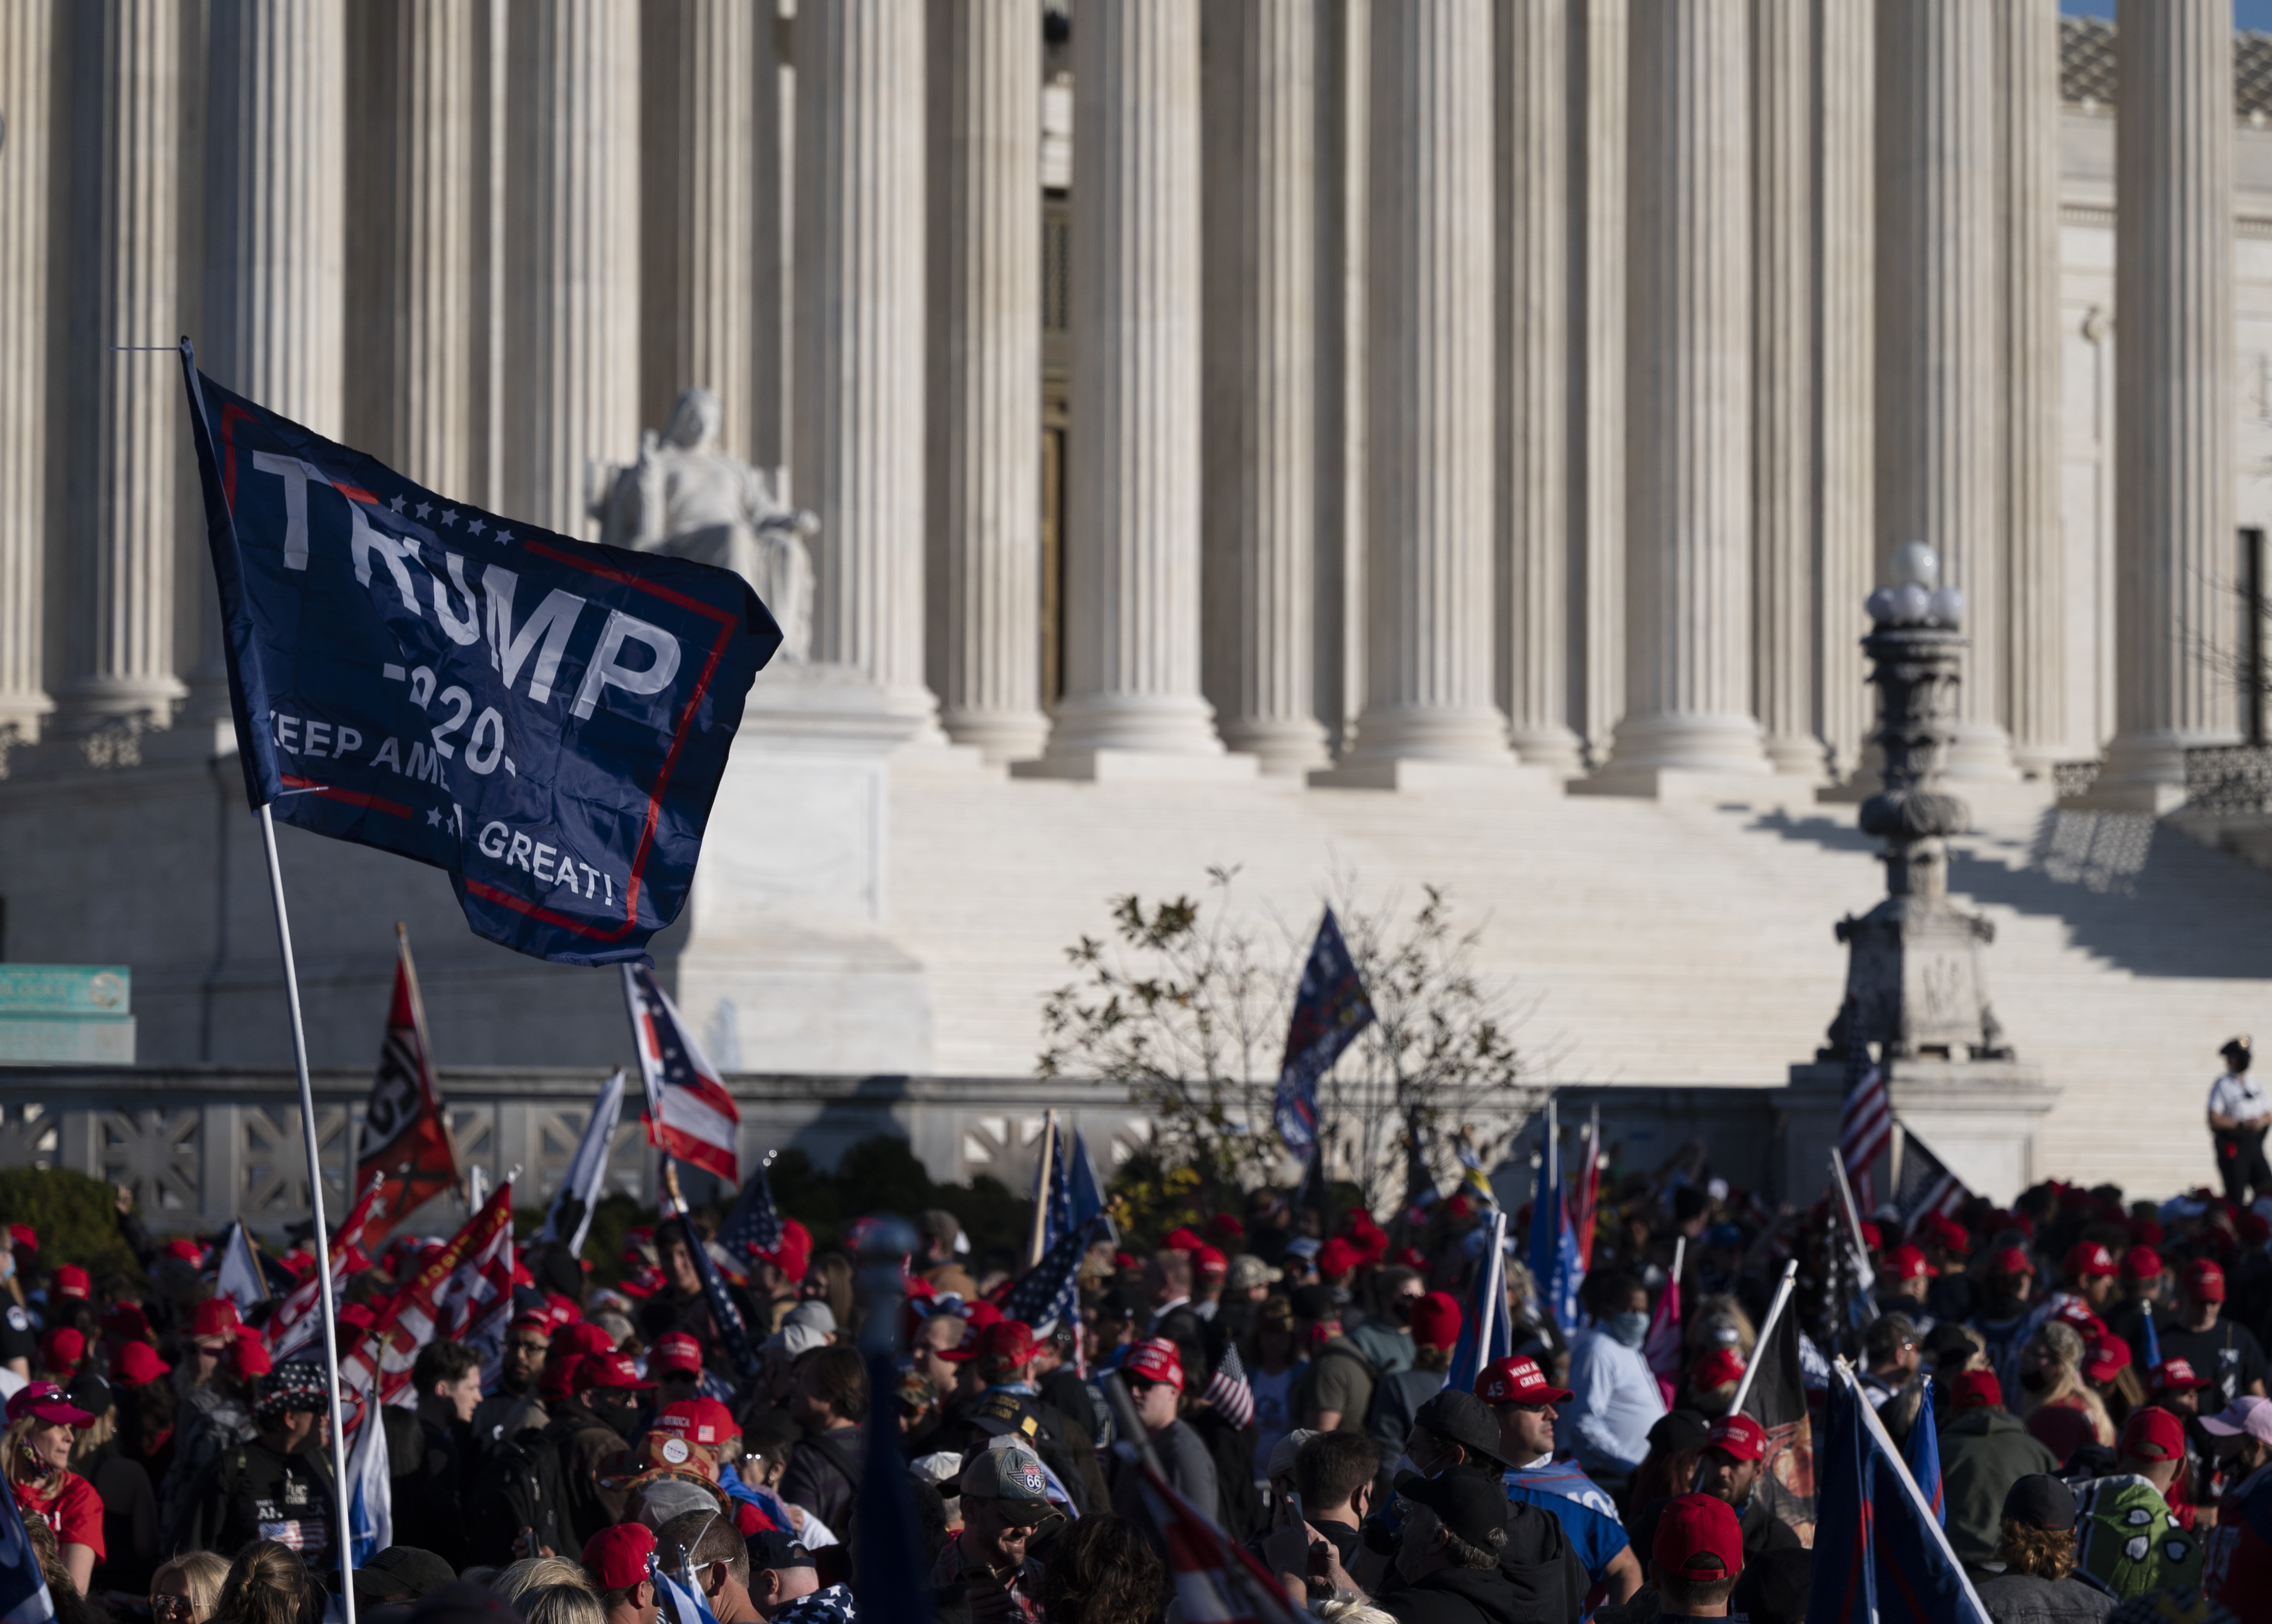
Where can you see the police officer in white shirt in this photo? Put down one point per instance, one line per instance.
(2239, 1111)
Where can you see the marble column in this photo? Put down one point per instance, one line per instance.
(986, 375)
(124, 423)
(859, 367)
(2032, 414)
(1132, 568)
(419, 149)
(1844, 300)
(1784, 406)
(1533, 110)
(570, 386)
(1429, 666)
(1688, 442)
(1597, 370)
(1259, 459)
(31, 36)
(1938, 434)
(772, 119)
(2174, 400)
(697, 196)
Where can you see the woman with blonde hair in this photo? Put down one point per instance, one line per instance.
(41, 1425)
(1719, 1321)
(560, 1604)
(537, 1573)
(268, 1583)
(187, 1590)
(2061, 1410)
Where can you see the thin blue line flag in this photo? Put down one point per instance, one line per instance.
(724, 1315)
(545, 720)
(755, 1223)
(24, 1597)
(1879, 1554)
(1329, 1011)
(1922, 1455)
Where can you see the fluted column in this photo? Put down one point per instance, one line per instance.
(1783, 402)
(697, 196)
(1688, 402)
(2174, 405)
(986, 375)
(125, 424)
(417, 401)
(2028, 160)
(1531, 53)
(1261, 409)
(1429, 665)
(859, 368)
(1845, 516)
(1939, 437)
(1132, 583)
(1601, 73)
(572, 271)
(31, 36)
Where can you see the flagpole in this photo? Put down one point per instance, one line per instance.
(425, 1044)
(342, 1507)
(1037, 1235)
(1766, 1329)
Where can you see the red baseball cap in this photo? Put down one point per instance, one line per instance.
(1210, 1264)
(1951, 1234)
(2087, 1260)
(1435, 1320)
(1715, 1368)
(794, 1256)
(1155, 1359)
(1906, 1262)
(978, 1313)
(136, 1363)
(676, 1352)
(2204, 1281)
(2177, 1376)
(1975, 1389)
(608, 1370)
(2153, 1433)
(188, 1251)
(46, 1400)
(63, 1348)
(1181, 1240)
(248, 1353)
(216, 1316)
(1004, 1345)
(2108, 1355)
(1872, 1237)
(620, 1556)
(2142, 1262)
(70, 1281)
(21, 1235)
(1738, 1437)
(1338, 1257)
(2077, 1312)
(698, 1420)
(1226, 1227)
(1698, 1539)
(1518, 1381)
(2010, 1260)
(126, 1320)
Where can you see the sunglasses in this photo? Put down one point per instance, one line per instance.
(170, 1606)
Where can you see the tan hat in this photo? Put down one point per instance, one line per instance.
(1248, 1271)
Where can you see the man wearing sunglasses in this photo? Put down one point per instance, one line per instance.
(1154, 1372)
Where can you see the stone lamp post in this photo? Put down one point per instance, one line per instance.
(1915, 972)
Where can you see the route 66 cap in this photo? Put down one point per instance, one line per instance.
(1010, 1474)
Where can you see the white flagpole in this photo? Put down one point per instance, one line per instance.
(1037, 1237)
(1766, 1329)
(343, 1507)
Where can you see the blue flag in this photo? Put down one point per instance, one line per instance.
(1485, 1336)
(24, 1597)
(1329, 1011)
(545, 720)
(1553, 1259)
(1049, 1293)
(2153, 1344)
(1084, 1200)
(755, 1223)
(1879, 1554)
(1923, 1456)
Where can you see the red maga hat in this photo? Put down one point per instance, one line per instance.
(1004, 1346)
(2142, 1262)
(700, 1420)
(615, 1371)
(620, 1556)
(2178, 1376)
(136, 1363)
(2086, 1259)
(1209, 1264)
(216, 1316)
(1975, 1389)
(2106, 1360)
(1717, 1368)
(677, 1351)
(1435, 1320)
(1739, 1437)
(1155, 1359)
(2010, 1260)
(70, 1281)
(2153, 1433)
(1518, 1381)
(1338, 1257)
(1907, 1262)
(2204, 1281)
(63, 1348)
(1698, 1540)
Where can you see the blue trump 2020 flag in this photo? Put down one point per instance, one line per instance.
(1329, 1011)
(544, 719)
(1879, 1554)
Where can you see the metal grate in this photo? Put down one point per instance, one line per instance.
(2229, 778)
(2075, 778)
(2089, 74)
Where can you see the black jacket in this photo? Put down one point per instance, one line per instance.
(824, 1475)
(425, 1479)
(1454, 1596)
(250, 1492)
(584, 1443)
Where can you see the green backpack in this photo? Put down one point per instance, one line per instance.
(2125, 1538)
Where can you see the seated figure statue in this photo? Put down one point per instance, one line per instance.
(686, 498)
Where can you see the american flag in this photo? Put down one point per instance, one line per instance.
(755, 1223)
(1049, 1294)
(1228, 1391)
(1215, 1578)
(1927, 1187)
(1865, 1121)
(689, 1114)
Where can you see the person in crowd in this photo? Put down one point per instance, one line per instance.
(1891, 1354)
(427, 1479)
(535, 1573)
(41, 1425)
(1676, 1445)
(619, 1562)
(1904, 1285)
(2127, 1540)
(1984, 1450)
(1614, 1396)
(2087, 1275)
(2108, 1372)
(1523, 1403)
(1247, 1286)
(1447, 1560)
(516, 1406)
(1385, 1336)
(591, 1425)
(1696, 1558)
(130, 1503)
(1434, 1318)
(2240, 1112)
(943, 1245)
(1333, 1475)
(2144, 1285)
(1708, 1385)
(561, 1603)
(1153, 1372)
(725, 1566)
(1005, 1497)
(187, 1588)
(214, 1380)
(1335, 1392)
(1275, 1365)
(1102, 1571)
(2227, 1354)
(2007, 1313)
(2036, 1550)
(269, 1583)
(1731, 1469)
(399, 1575)
(830, 1401)
(2062, 1411)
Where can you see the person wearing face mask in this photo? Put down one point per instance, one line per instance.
(592, 1425)
(1729, 1470)
(1614, 1395)
(1386, 1336)
(1522, 1402)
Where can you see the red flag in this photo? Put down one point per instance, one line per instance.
(296, 1321)
(689, 1114)
(1586, 1201)
(456, 1293)
(405, 1136)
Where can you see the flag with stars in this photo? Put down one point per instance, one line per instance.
(689, 1115)
(1330, 1009)
(545, 720)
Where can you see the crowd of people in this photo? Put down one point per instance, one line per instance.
(2092, 1372)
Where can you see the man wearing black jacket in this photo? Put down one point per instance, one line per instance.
(591, 1429)
(1454, 1529)
(828, 1397)
(278, 1485)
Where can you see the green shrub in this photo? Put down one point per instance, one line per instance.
(75, 1216)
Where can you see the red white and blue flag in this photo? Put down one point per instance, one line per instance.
(1865, 1121)
(297, 1322)
(689, 1115)
(1329, 1011)
(1879, 1554)
(1216, 1579)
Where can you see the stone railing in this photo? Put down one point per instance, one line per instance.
(2229, 778)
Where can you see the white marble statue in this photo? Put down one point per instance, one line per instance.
(686, 498)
